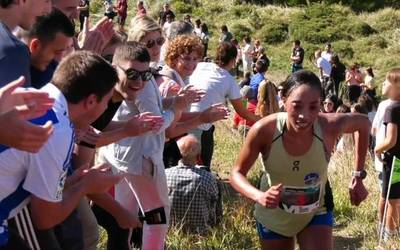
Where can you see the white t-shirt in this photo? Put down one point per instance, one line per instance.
(218, 84)
(327, 55)
(379, 127)
(42, 174)
(246, 54)
(325, 65)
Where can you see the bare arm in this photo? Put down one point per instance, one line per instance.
(258, 140)
(389, 141)
(92, 181)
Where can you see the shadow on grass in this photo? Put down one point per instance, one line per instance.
(346, 243)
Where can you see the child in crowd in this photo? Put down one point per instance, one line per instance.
(387, 150)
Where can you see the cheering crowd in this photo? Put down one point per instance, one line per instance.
(114, 127)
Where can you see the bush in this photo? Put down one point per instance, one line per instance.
(361, 29)
(384, 20)
(182, 8)
(343, 49)
(273, 33)
(240, 29)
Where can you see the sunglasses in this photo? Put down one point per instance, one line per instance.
(159, 41)
(133, 74)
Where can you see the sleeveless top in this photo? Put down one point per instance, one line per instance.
(303, 178)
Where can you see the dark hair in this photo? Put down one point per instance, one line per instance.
(335, 100)
(5, 3)
(301, 77)
(224, 28)
(262, 65)
(247, 39)
(360, 108)
(47, 26)
(226, 52)
(367, 101)
(204, 28)
(343, 108)
(131, 51)
(297, 42)
(335, 59)
(198, 21)
(83, 73)
(370, 72)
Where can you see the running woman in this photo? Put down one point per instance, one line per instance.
(296, 147)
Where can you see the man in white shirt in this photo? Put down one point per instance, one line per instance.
(81, 86)
(327, 53)
(325, 69)
(219, 85)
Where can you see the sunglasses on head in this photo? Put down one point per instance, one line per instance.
(133, 74)
(159, 41)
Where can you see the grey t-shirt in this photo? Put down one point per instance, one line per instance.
(14, 58)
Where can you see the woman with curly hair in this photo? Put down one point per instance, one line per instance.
(183, 54)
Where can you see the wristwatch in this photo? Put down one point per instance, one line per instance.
(359, 174)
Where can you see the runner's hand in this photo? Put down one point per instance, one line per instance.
(271, 198)
(357, 191)
(97, 37)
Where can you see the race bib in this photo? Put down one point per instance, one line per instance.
(300, 200)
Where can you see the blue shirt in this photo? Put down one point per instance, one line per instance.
(14, 58)
(255, 83)
(41, 78)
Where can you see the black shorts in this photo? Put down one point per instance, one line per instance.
(395, 188)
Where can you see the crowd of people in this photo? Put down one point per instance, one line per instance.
(114, 127)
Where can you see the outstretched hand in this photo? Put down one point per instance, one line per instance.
(142, 123)
(214, 113)
(187, 96)
(17, 105)
(97, 37)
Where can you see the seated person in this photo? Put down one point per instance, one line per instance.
(193, 192)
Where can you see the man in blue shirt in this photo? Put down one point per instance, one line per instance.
(261, 67)
(14, 55)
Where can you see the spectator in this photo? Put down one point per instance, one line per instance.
(48, 41)
(247, 54)
(176, 29)
(238, 57)
(83, 12)
(325, 69)
(226, 36)
(109, 9)
(261, 69)
(353, 82)
(297, 56)
(41, 176)
(188, 19)
(250, 103)
(183, 55)
(14, 55)
(193, 192)
(256, 50)
(197, 27)
(163, 14)
(267, 99)
(338, 73)
(122, 11)
(219, 85)
(327, 53)
(142, 159)
(246, 80)
(331, 103)
(205, 37)
(140, 9)
(369, 83)
(167, 23)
